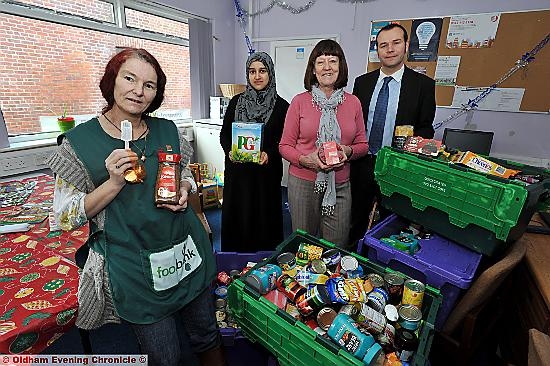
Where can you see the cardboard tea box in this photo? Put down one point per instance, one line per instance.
(246, 141)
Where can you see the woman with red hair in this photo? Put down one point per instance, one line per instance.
(149, 264)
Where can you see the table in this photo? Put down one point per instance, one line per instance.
(38, 279)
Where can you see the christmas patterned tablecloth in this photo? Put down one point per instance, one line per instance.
(38, 278)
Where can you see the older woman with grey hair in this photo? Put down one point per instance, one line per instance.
(251, 213)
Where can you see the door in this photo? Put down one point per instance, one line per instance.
(290, 58)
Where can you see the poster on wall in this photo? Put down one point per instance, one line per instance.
(424, 41)
(374, 29)
(446, 70)
(472, 31)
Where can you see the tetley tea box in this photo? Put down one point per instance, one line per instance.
(246, 141)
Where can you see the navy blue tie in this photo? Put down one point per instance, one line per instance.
(379, 117)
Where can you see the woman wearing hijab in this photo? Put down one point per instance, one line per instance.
(252, 208)
(319, 195)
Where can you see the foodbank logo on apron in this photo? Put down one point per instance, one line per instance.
(173, 265)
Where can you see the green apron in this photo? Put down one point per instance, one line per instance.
(157, 260)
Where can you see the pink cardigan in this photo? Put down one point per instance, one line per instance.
(300, 133)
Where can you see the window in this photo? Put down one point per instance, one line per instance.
(52, 62)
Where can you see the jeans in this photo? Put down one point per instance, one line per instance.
(161, 340)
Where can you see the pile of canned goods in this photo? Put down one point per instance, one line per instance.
(373, 317)
(223, 313)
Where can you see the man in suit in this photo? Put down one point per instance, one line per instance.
(408, 99)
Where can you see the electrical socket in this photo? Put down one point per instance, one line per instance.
(25, 160)
(13, 163)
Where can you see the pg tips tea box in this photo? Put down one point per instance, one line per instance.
(246, 141)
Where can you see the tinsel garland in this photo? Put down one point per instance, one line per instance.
(519, 64)
(242, 21)
(283, 5)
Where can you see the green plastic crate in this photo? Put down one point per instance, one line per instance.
(293, 342)
(480, 211)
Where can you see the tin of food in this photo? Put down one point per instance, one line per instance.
(391, 312)
(316, 297)
(377, 299)
(220, 303)
(351, 309)
(221, 292)
(371, 319)
(331, 258)
(308, 252)
(264, 279)
(287, 262)
(290, 287)
(409, 317)
(234, 274)
(375, 279)
(325, 317)
(350, 268)
(406, 342)
(387, 338)
(394, 285)
(223, 278)
(413, 293)
(317, 266)
(220, 315)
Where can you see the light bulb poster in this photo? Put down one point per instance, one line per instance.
(425, 34)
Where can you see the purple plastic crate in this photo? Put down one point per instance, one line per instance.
(439, 262)
(239, 351)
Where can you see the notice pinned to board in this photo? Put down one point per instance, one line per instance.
(500, 99)
(472, 31)
(300, 53)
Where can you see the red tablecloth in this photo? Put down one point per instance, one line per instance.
(38, 280)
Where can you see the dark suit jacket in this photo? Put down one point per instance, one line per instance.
(416, 100)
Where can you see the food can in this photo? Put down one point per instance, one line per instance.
(287, 262)
(371, 319)
(290, 287)
(351, 309)
(220, 315)
(350, 268)
(317, 266)
(332, 259)
(377, 299)
(413, 293)
(325, 317)
(394, 285)
(308, 252)
(316, 297)
(406, 343)
(234, 274)
(264, 279)
(376, 280)
(409, 317)
(392, 314)
(387, 338)
(223, 278)
(220, 303)
(221, 292)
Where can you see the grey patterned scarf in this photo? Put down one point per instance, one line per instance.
(253, 105)
(329, 130)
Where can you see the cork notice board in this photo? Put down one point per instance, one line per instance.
(517, 34)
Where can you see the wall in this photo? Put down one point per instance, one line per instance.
(222, 15)
(523, 134)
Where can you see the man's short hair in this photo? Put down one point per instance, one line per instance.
(391, 26)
